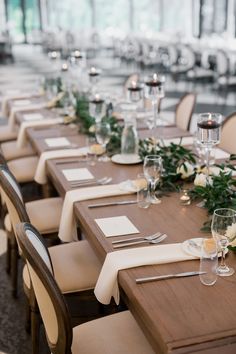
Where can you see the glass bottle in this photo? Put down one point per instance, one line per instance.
(129, 138)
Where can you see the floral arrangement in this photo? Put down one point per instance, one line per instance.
(178, 163)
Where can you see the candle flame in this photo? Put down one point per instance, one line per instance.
(134, 84)
(64, 67)
(93, 70)
(97, 97)
(155, 77)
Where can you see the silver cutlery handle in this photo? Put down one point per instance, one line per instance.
(158, 234)
(130, 244)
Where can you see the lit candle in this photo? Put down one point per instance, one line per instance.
(97, 97)
(185, 198)
(64, 67)
(155, 77)
(54, 55)
(77, 54)
(134, 84)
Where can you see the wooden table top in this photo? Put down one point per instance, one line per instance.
(177, 315)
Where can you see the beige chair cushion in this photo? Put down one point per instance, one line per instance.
(6, 133)
(115, 334)
(45, 214)
(24, 168)
(76, 267)
(11, 151)
(46, 222)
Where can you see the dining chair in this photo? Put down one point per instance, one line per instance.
(11, 150)
(228, 141)
(75, 265)
(184, 111)
(45, 214)
(113, 334)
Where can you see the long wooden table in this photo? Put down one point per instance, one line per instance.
(177, 315)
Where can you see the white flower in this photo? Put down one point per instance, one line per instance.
(231, 234)
(202, 180)
(185, 170)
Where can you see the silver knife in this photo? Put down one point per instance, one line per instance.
(112, 203)
(168, 276)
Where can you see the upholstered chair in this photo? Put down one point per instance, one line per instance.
(11, 151)
(184, 111)
(228, 141)
(45, 214)
(114, 334)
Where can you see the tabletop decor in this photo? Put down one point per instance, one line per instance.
(135, 92)
(216, 191)
(178, 163)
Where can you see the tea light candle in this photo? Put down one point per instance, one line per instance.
(93, 71)
(53, 55)
(97, 99)
(77, 54)
(155, 81)
(64, 67)
(185, 198)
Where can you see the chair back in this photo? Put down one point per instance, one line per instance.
(228, 141)
(128, 82)
(52, 306)
(184, 111)
(12, 196)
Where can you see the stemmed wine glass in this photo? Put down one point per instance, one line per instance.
(154, 91)
(103, 133)
(152, 169)
(222, 222)
(208, 132)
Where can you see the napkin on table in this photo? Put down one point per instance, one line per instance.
(107, 284)
(14, 110)
(67, 229)
(40, 174)
(12, 96)
(21, 140)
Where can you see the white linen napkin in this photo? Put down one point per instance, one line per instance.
(12, 96)
(21, 140)
(220, 154)
(14, 110)
(67, 229)
(40, 174)
(107, 284)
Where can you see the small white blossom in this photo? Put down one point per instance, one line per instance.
(202, 180)
(185, 170)
(231, 234)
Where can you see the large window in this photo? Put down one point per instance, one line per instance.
(147, 15)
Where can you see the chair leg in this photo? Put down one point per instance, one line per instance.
(14, 266)
(27, 316)
(8, 255)
(35, 324)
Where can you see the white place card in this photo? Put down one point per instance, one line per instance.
(116, 226)
(186, 140)
(33, 116)
(57, 142)
(77, 174)
(20, 103)
(221, 154)
(12, 92)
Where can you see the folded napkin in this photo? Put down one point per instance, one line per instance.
(220, 154)
(21, 140)
(107, 284)
(67, 229)
(40, 174)
(12, 96)
(14, 110)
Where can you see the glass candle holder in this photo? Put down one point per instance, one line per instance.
(185, 198)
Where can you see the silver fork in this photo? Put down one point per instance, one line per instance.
(102, 181)
(148, 238)
(155, 241)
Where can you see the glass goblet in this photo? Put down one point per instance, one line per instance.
(223, 223)
(103, 133)
(208, 133)
(152, 169)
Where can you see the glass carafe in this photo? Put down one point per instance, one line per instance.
(129, 138)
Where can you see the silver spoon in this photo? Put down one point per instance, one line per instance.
(127, 244)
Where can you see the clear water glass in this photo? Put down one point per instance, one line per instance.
(208, 262)
(222, 226)
(103, 133)
(152, 169)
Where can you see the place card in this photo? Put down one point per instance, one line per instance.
(33, 116)
(116, 226)
(77, 174)
(20, 103)
(57, 142)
